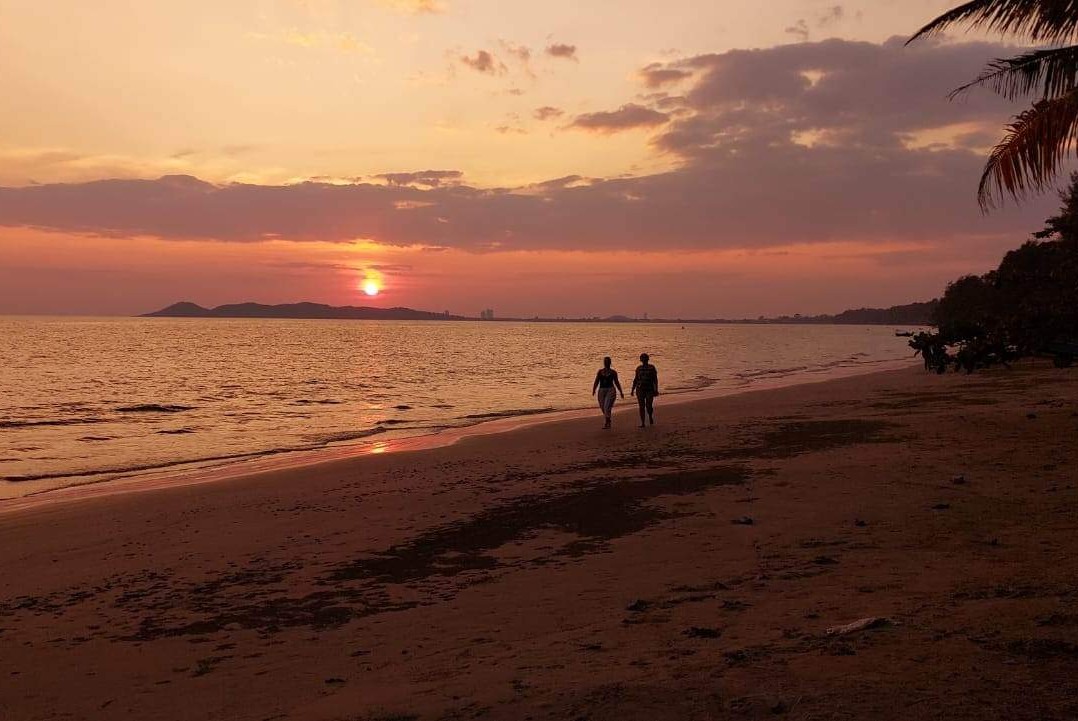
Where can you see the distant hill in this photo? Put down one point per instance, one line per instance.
(912, 314)
(909, 314)
(295, 310)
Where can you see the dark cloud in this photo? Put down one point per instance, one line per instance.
(627, 117)
(484, 62)
(830, 16)
(657, 75)
(799, 30)
(562, 50)
(561, 182)
(390, 267)
(429, 178)
(548, 112)
(805, 143)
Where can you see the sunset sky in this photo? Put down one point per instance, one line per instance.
(697, 159)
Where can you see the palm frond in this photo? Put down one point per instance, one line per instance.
(1050, 21)
(1030, 154)
(1051, 73)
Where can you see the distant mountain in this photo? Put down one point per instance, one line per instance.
(295, 310)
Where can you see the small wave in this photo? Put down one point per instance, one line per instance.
(319, 402)
(402, 408)
(154, 408)
(95, 438)
(176, 431)
(508, 414)
(696, 383)
(346, 435)
(772, 372)
(51, 422)
(140, 467)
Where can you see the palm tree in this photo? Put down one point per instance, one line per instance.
(1039, 139)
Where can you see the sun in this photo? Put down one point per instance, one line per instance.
(371, 288)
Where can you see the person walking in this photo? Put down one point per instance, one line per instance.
(645, 388)
(608, 385)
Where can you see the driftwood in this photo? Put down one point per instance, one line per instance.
(863, 624)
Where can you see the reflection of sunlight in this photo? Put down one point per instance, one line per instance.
(380, 447)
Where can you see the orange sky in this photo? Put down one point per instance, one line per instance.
(821, 170)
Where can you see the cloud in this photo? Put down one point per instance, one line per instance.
(657, 75)
(830, 16)
(799, 30)
(813, 143)
(416, 7)
(627, 117)
(826, 18)
(428, 178)
(547, 112)
(522, 53)
(484, 62)
(563, 51)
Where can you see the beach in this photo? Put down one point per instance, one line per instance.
(704, 568)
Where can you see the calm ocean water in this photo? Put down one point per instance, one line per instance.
(90, 399)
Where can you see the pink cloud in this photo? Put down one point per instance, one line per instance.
(562, 51)
(548, 112)
(627, 117)
(806, 143)
(484, 62)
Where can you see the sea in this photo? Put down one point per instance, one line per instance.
(93, 400)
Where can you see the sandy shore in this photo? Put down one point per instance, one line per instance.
(567, 572)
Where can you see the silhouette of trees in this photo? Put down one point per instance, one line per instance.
(1027, 306)
(1040, 138)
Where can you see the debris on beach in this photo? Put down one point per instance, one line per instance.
(863, 624)
(702, 632)
(638, 604)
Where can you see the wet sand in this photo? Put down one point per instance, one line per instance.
(687, 571)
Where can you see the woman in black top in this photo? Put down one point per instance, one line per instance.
(606, 380)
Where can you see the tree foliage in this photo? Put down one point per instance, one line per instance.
(1026, 306)
(1039, 140)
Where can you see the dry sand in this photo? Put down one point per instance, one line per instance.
(568, 572)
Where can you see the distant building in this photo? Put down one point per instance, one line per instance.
(487, 314)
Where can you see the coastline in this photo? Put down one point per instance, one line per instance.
(193, 473)
(697, 570)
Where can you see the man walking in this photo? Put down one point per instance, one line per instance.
(645, 388)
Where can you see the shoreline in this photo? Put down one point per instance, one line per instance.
(200, 472)
(895, 546)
